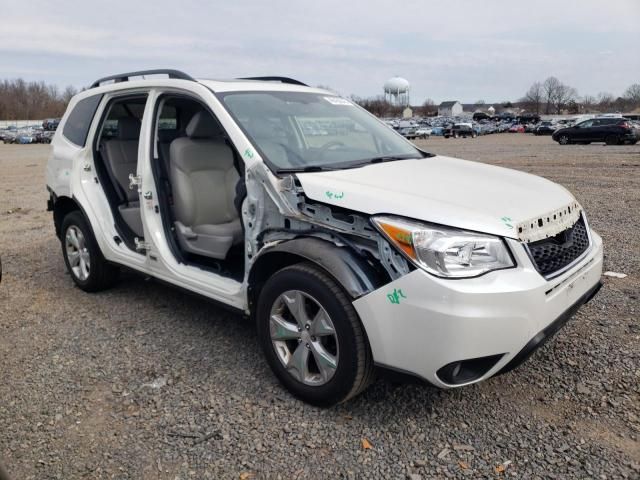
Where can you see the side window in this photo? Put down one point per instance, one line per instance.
(132, 107)
(168, 118)
(587, 124)
(77, 125)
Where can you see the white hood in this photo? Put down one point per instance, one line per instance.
(444, 190)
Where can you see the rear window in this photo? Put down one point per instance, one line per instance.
(77, 125)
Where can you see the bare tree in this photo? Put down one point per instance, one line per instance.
(605, 101)
(534, 97)
(429, 107)
(20, 100)
(550, 89)
(632, 96)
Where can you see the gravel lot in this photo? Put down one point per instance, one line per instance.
(145, 381)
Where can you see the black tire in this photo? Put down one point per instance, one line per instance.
(564, 140)
(101, 274)
(355, 369)
(612, 140)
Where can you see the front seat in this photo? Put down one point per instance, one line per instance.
(203, 180)
(121, 158)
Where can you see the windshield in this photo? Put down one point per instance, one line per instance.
(305, 131)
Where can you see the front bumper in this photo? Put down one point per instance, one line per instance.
(419, 324)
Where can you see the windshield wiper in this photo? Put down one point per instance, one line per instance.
(382, 159)
(309, 168)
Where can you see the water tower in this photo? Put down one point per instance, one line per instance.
(396, 91)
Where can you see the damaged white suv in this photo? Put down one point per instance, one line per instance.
(353, 250)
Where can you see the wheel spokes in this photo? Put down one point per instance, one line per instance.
(321, 326)
(298, 363)
(74, 258)
(295, 303)
(283, 330)
(326, 362)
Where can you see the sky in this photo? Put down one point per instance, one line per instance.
(448, 50)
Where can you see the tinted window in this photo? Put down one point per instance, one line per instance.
(77, 125)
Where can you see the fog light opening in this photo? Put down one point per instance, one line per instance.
(465, 371)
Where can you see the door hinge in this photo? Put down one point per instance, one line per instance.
(141, 245)
(134, 181)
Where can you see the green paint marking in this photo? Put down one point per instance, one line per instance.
(334, 195)
(507, 221)
(248, 153)
(395, 296)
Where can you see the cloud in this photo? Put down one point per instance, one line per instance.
(465, 49)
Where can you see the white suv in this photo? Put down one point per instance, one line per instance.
(353, 250)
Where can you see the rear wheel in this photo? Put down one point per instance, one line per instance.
(312, 337)
(612, 140)
(88, 268)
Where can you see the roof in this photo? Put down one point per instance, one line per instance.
(139, 79)
(448, 104)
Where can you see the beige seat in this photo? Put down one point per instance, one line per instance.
(203, 181)
(121, 157)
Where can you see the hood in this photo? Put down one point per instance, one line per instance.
(448, 191)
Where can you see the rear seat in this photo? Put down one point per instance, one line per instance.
(121, 158)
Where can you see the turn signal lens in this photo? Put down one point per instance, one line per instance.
(445, 251)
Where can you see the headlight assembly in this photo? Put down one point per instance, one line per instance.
(445, 251)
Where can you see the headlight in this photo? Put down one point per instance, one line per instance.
(444, 251)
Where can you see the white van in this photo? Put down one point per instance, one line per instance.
(353, 250)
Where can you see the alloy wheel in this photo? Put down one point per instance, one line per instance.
(304, 338)
(564, 140)
(77, 253)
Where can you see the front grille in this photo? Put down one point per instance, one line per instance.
(554, 253)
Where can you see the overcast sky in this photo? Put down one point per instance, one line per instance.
(465, 50)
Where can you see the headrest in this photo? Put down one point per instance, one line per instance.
(203, 125)
(128, 128)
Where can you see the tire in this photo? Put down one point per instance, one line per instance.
(88, 269)
(612, 140)
(348, 367)
(564, 140)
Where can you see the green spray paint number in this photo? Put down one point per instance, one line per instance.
(395, 296)
(507, 221)
(334, 195)
(248, 153)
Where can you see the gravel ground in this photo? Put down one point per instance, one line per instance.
(145, 381)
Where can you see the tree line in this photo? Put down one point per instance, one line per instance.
(21, 100)
(553, 96)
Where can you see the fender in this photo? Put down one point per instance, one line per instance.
(357, 276)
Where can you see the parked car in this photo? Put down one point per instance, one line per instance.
(516, 128)
(51, 124)
(459, 130)
(423, 132)
(612, 131)
(545, 128)
(352, 251)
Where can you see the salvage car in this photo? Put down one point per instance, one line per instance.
(458, 130)
(545, 128)
(354, 252)
(611, 130)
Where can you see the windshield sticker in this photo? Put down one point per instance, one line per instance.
(395, 296)
(338, 101)
(334, 195)
(248, 153)
(507, 221)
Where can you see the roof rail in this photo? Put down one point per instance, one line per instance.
(125, 77)
(292, 81)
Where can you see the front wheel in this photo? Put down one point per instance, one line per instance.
(564, 140)
(312, 337)
(88, 268)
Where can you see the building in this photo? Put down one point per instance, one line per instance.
(450, 109)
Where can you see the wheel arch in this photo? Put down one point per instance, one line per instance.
(355, 274)
(61, 207)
